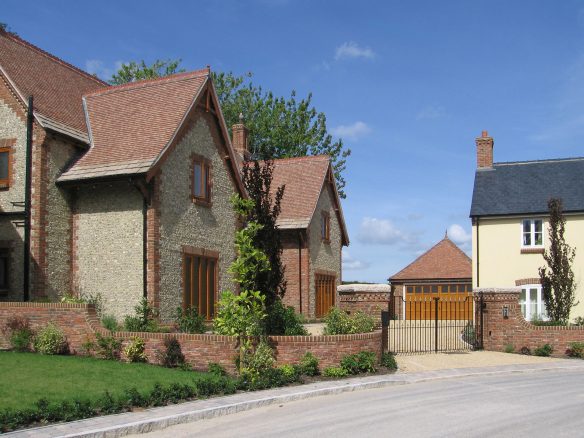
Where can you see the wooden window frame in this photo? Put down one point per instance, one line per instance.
(5, 182)
(5, 255)
(206, 180)
(190, 257)
(325, 227)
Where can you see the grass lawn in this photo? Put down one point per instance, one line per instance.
(26, 377)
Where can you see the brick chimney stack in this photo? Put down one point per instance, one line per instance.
(484, 151)
(240, 138)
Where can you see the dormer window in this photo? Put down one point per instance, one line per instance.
(201, 180)
(532, 233)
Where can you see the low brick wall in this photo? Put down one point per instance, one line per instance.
(514, 330)
(79, 322)
(368, 298)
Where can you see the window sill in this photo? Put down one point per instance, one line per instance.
(201, 202)
(532, 250)
(327, 241)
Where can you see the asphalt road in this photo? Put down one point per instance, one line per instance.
(535, 404)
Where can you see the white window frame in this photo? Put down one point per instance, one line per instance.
(539, 303)
(532, 233)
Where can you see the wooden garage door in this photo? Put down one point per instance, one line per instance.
(325, 286)
(454, 301)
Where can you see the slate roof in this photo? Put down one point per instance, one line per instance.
(444, 261)
(305, 178)
(57, 87)
(525, 187)
(131, 125)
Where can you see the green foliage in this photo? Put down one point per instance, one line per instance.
(94, 299)
(558, 285)
(135, 350)
(362, 362)
(217, 369)
(509, 348)
(525, 351)
(336, 372)
(290, 373)
(309, 364)
(388, 361)
(110, 322)
(576, 349)
(545, 350)
(108, 347)
(4, 27)
(339, 322)
(579, 321)
(51, 340)
(19, 333)
(283, 320)
(279, 127)
(172, 355)
(137, 71)
(189, 321)
(257, 368)
(144, 319)
(240, 315)
(537, 320)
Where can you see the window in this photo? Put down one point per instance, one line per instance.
(5, 156)
(532, 233)
(4, 268)
(200, 284)
(531, 302)
(201, 179)
(325, 226)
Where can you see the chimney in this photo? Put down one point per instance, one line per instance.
(239, 141)
(484, 151)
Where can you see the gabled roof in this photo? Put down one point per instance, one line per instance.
(526, 187)
(305, 178)
(443, 261)
(56, 86)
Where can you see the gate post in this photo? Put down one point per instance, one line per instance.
(436, 324)
(384, 331)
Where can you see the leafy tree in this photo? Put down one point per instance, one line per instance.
(557, 279)
(4, 27)
(137, 71)
(279, 127)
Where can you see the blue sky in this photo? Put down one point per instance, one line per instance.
(408, 85)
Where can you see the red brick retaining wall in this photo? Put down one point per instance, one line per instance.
(367, 298)
(79, 322)
(514, 330)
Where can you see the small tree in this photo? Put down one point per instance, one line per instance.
(557, 278)
(137, 71)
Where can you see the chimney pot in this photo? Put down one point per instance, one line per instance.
(485, 134)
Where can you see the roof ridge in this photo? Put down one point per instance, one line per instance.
(150, 82)
(302, 158)
(31, 46)
(548, 160)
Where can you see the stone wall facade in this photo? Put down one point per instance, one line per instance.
(499, 330)
(187, 225)
(80, 324)
(367, 298)
(108, 245)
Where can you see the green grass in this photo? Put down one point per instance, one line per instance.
(26, 377)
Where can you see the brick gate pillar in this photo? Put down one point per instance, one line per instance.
(501, 316)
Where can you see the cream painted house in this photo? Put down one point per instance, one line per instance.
(510, 222)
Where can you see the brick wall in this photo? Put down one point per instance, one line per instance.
(292, 258)
(514, 330)
(368, 298)
(80, 323)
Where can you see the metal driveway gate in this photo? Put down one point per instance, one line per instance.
(435, 323)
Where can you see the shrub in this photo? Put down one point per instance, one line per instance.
(19, 333)
(388, 361)
(215, 368)
(282, 320)
(135, 350)
(144, 319)
(576, 349)
(171, 356)
(110, 322)
(362, 362)
(335, 372)
(51, 340)
(525, 350)
(339, 322)
(309, 364)
(189, 320)
(258, 370)
(545, 350)
(108, 347)
(509, 348)
(537, 320)
(579, 321)
(290, 373)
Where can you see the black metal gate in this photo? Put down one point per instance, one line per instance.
(426, 323)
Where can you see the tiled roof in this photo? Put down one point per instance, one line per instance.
(57, 87)
(131, 125)
(304, 178)
(526, 187)
(444, 261)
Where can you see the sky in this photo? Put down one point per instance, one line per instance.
(407, 85)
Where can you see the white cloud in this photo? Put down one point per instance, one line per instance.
(351, 49)
(383, 232)
(97, 67)
(431, 112)
(458, 234)
(351, 264)
(353, 131)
